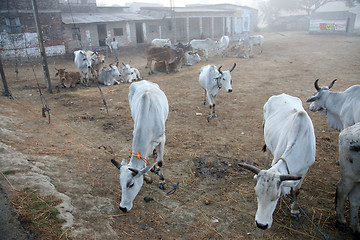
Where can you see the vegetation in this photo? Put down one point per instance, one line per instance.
(38, 213)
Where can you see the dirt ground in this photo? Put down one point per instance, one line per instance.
(216, 198)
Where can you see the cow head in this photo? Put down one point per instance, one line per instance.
(224, 79)
(63, 78)
(319, 97)
(131, 181)
(268, 192)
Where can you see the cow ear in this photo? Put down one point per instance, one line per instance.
(56, 74)
(289, 177)
(313, 98)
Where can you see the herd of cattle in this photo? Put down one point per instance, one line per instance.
(288, 130)
(168, 58)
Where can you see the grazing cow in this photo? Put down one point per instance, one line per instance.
(83, 63)
(129, 74)
(191, 58)
(68, 78)
(149, 110)
(251, 41)
(211, 80)
(341, 108)
(206, 45)
(97, 61)
(349, 184)
(289, 136)
(161, 42)
(166, 54)
(107, 76)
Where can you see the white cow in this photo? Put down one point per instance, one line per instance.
(223, 44)
(289, 136)
(149, 110)
(349, 184)
(83, 63)
(211, 80)
(130, 74)
(251, 41)
(107, 76)
(341, 108)
(205, 45)
(192, 58)
(161, 42)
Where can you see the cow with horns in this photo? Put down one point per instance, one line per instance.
(289, 136)
(342, 108)
(149, 109)
(212, 79)
(107, 76)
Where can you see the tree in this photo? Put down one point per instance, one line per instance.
(310, 6)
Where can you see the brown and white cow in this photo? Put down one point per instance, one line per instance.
(68, 78)
(165, 54)
(97, 60)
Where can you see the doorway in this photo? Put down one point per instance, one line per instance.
(139, 32)
(101, 28)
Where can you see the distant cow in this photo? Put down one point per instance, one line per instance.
(251, 41)
(97, 61)
(186, 47)
(107, 76)
(161, 42)
(349, 184)
(149, 110)
(165, 54)
(175, 66)
(206, 45)
(68, 78)
(212, 80)
(289, 136)
(192, 58)
(129, 74)
(223, 44)
(83, 63)
(342, 108)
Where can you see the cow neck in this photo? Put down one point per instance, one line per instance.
(284, 161)
(218, 83)
(136, 159)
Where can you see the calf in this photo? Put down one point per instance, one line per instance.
(211, 80)
(107, 76)
(149, 110)
(191, 58)
(349, 184)
(68, 78)
(97, 61)
(175, 66)
(289, 136)
(129, 74)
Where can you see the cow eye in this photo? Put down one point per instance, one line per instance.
(130, 185)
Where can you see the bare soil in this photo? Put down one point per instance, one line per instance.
(216, 198)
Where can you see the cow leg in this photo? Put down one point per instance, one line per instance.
(295, 211)
(206, 54)
(354, 199)
(342, 191)
(148, 65)
(159, 161)
(213, 111)
(167, 67)
(205, 98)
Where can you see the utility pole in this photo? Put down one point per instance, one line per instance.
(42, 47)
(5, 90)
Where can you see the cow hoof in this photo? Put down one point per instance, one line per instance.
(214, 115)
(295, 216)
(162, 186)
(341, 226)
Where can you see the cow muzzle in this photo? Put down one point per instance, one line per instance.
(262, 226)
(123, 209)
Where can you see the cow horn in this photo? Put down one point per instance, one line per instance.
(332, 83)
(233, 67)
(123, 64)
(219, 69)
(249, 167)
(289, 177)
(110, 65)
(117, 164)
(134, 171)
(317, 85)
